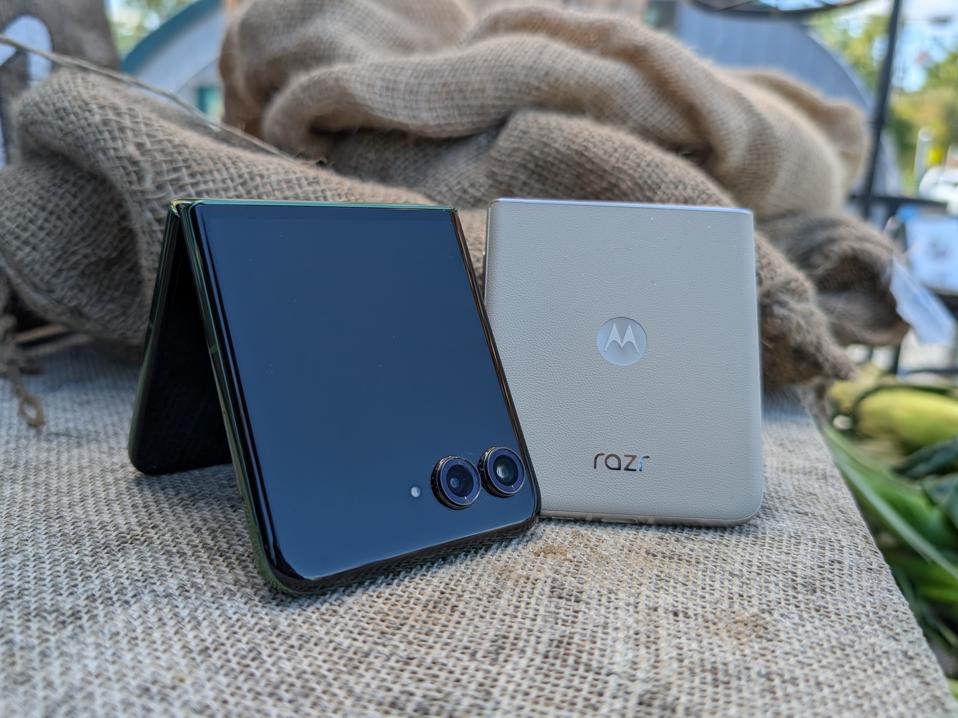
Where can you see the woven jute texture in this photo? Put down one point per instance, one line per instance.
(130, 595)
(467, 106)
(456, 102)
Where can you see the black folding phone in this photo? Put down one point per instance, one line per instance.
(341, 357)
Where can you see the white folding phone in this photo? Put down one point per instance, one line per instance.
(629, 338)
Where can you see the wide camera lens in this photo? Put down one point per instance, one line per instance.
(460, 481)
(506, 470)
(502, 471)
(456, 482)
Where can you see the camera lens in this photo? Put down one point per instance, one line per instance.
(460, 481)
(502, 471)
(456, 482)
(506, 470)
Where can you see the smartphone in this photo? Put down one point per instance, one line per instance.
(340, 356)
(629, 336)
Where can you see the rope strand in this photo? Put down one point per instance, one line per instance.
(12, 361)
(75, 62)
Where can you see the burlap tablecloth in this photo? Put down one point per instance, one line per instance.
(125, 594)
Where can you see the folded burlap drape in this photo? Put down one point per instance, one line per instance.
(435, 100)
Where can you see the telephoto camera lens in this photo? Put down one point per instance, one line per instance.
(456, 482)
(502, 471)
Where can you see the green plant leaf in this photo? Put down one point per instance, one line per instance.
(933, 621)
(894, 503)
(934, 459)
(943, 491)
(929, 579)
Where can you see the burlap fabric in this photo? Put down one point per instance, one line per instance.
(424, 101)
(129, 595)
(540, 101)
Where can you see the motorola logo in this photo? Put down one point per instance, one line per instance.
(621, 341)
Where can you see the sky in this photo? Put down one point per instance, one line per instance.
(929, 31)
(920, 9)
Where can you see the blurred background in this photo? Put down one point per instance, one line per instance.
(175, 43)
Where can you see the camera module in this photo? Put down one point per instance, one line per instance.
(456, 482)
(502, 471)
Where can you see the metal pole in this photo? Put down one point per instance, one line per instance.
(880, 115)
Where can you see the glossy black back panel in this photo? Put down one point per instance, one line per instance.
(360, 359)
(177, 421)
